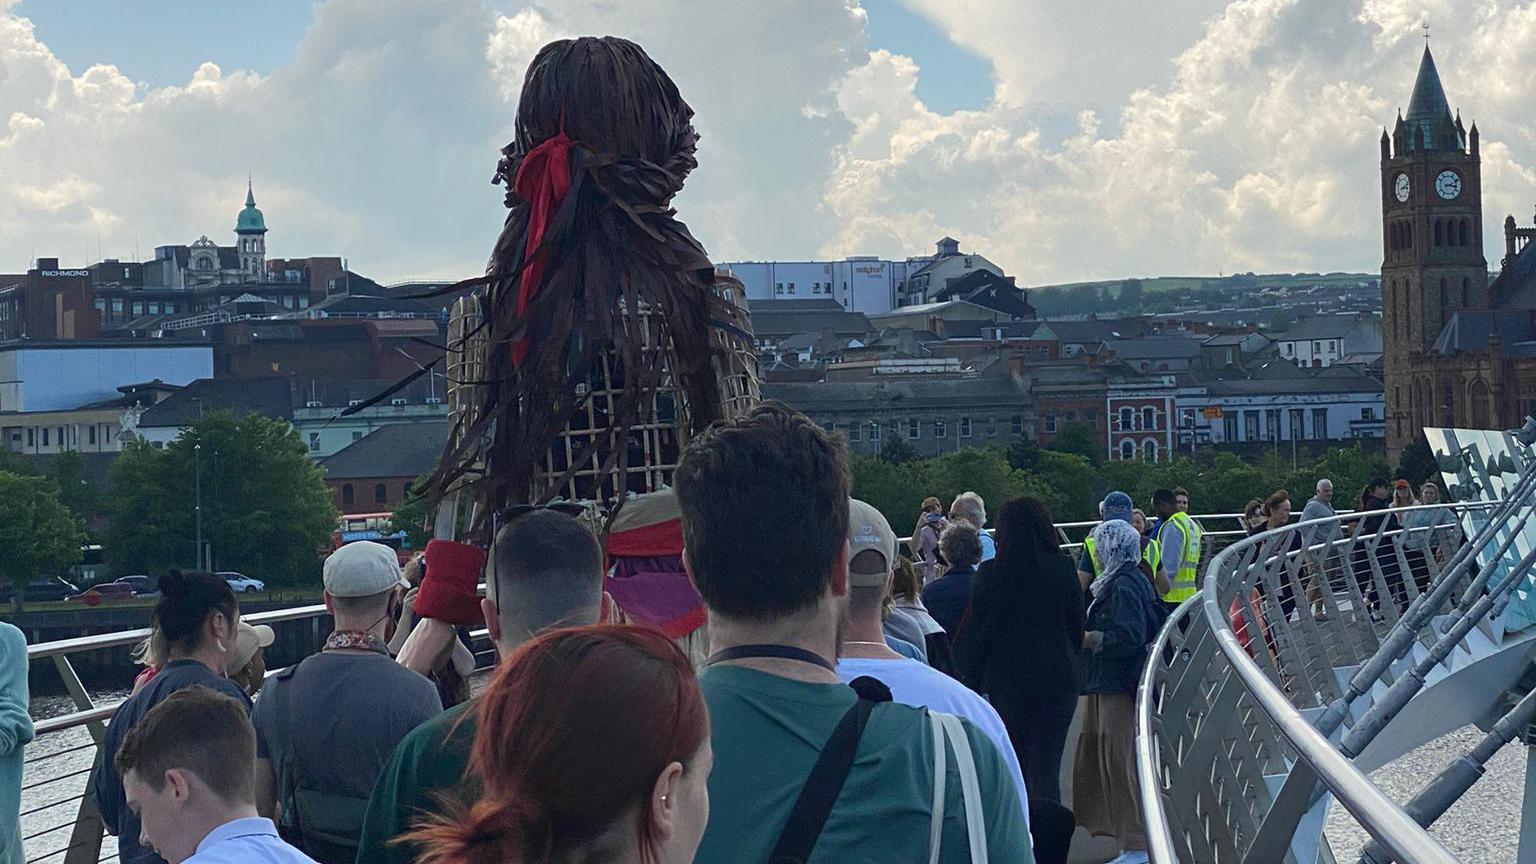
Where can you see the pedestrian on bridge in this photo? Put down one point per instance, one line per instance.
(969, 507)
(544, 571)
(948, 596)
(15, 732)
(775, 701)
(1123, 619)
(197, 617)
(326, 725)
(188, 771)
(925, 538)
(1020, 641)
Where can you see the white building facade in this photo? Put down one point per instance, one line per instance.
(859, 284)
(1207, 417)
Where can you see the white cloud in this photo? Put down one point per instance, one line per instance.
(1260, 152)
(1187, 136)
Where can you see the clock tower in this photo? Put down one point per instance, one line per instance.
(1432, 242)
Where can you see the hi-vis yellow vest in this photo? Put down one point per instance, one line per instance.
(1153, 554)
(1184, 586)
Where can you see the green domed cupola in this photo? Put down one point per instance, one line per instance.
(250, 220)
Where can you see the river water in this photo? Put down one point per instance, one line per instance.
(57, 768)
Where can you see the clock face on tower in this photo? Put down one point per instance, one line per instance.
(1448, 185)
(1401, 187)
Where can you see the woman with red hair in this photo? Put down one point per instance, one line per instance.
(592, 745)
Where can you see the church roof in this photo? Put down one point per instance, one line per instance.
(1429, 112)
(250, 219)
(1468, 330)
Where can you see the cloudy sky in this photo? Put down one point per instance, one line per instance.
(1065, 140)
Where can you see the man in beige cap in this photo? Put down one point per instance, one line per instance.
(247, 662)
(325, 727)
(871, 561)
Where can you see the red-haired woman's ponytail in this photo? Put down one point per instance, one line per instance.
(492, 831)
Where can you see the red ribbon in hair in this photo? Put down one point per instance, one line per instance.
(543, 180)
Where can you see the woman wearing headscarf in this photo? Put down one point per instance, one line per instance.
(1123, 619)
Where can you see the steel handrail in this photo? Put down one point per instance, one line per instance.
(122, 638)
(1379, 815)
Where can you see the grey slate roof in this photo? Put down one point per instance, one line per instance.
(269, 397)
(1318, 327)
(779, 318)
(1156, 348)
(1468, 330)
(397, 450)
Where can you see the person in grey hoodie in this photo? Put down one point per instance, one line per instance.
(1320, 506)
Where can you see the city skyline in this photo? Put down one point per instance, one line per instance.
(1200, 138)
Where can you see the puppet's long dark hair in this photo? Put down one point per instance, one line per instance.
(613, 244)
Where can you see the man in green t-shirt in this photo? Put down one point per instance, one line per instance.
(545, 571)
(764, 504)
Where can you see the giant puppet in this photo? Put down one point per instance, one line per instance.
(601, 337)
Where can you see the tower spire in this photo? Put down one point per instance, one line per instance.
(250, 195)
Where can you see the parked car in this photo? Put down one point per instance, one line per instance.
(242, 584)
(107, 591)
(41, 590)
(143, 586)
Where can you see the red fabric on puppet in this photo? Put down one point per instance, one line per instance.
(450, 591)
(646, 576)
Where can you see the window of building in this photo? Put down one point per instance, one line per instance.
(855, 431)
(380, 493)
(1050, 423)
(914, 429)
(1439, 239)
(1320, 423)
(1317, 347)
(1272, 421)
(1333, 345)
(1250, 425)
(1149, 418)
(138, 308)
(90, 434)
(778, 287)
(117, 305)
(1016, 424)
(1127, 449)
(45, 436)
(1298, 424)
(1149, 449)
(1367, 414)
(1126, 419)
(965, 427)
(1478, 396)
(940, 429)
(346, 494)
(791, 287)
(829, 426)
(170, 307)
(874, 431)
(1461, 238)
(314, 442)
(357, 436)
(31, 436)
(1447, 405)
(1229, 426)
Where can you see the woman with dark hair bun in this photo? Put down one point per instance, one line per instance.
(592, 745)
(196, 621)
(1020, 640)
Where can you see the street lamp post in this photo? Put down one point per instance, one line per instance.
(197, 474)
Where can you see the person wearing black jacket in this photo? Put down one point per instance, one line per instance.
(1019, 642)
(1373, 528)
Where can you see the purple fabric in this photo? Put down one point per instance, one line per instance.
(654, 591)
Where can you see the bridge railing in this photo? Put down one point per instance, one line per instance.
(1230, 759)
(59, 821)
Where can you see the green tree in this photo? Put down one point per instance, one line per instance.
(1130, 295)
(410, 516)
(38, 533)
(897, 449)
(1076, 437)
(266, 511)
(67, 471)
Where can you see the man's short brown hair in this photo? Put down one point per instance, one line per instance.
(764, 502)
(198, 730)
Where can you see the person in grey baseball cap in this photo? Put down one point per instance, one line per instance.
(325, 726)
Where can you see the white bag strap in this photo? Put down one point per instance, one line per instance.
(940, 772)
(970, 787)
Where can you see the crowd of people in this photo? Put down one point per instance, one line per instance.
(858, 704)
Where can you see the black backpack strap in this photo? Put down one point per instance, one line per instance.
(809, 815)
(281, 750)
